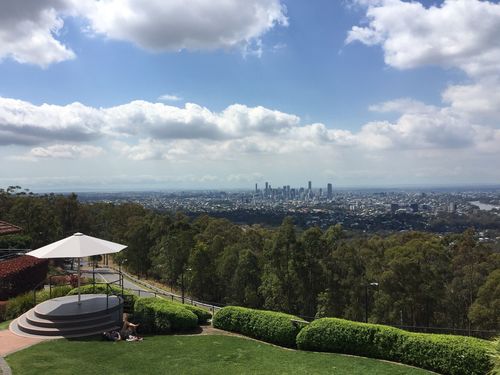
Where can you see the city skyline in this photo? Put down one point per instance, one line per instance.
(136, 95)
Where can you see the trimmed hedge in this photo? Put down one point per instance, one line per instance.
(157, 315)
(269, 326)
(203, 315)
(445, 354)
(21, 274)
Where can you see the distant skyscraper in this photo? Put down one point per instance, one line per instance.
(256, 188)
(329, 191)
(452, 207)
(267, 187)
(309, 185)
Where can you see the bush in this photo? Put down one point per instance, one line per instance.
(21, 274)
(160, 316)
(19, 305)
(269, 326)
(496, 357)
(3, 310)
(203, 315)
(445, 354)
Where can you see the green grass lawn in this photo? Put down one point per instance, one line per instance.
(5, 325)
(187, 355)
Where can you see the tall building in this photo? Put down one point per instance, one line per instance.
(256, 188)
(309, 186)
(452, 207)
(329, 191)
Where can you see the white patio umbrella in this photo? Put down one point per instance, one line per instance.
(77, 246)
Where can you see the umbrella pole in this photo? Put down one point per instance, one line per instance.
(78, 276)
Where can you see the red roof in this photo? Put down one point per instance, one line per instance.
(7, 228)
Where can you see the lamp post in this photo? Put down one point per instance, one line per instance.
(182, 283)
(366, 299)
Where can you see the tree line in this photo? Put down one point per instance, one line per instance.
(407, 278)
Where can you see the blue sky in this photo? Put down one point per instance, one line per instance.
(358, 93)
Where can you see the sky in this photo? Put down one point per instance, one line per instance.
(202, 94)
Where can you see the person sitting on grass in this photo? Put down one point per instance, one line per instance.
(129, 330)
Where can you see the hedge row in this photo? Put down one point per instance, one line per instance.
(270, 326)
(203, 315)
(445, 354)
(157, 315)
(21, 274)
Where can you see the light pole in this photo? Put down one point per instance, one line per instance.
(366, 299)
(182, 283)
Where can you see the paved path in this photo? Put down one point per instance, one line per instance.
(108, 275)
(10, 343)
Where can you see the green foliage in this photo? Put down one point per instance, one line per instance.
(19, 305)
(203, 315)
(269, 326)
(424, 279)
(161, 316)
(445, 354)
(495, 355)
(279, 280)
(15, 241)
(485, 311)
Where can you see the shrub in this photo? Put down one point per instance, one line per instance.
(270, 326)
(3, 310)
(21, 274)
(19, 305)
(160, 316)
(203, 315)
(496, 357)
(445, 354)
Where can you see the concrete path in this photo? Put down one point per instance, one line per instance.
(10, 342)
(108, 275)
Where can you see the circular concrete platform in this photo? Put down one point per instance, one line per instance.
(68, 307)
(65, 317)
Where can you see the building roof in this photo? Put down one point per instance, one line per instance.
(7, 228)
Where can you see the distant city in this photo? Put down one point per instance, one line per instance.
(367, 210)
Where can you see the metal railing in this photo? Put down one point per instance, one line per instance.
(12, 253)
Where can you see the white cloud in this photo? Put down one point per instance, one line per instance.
(157, 131)
(30, 29)
(66, 151)
(459, 34)
(160, 25)
(169, 98)
(29, 32)
(24, 123)
(479, 101)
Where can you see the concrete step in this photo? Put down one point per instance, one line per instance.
(15, 329)
(34, 320)
(80, 329)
